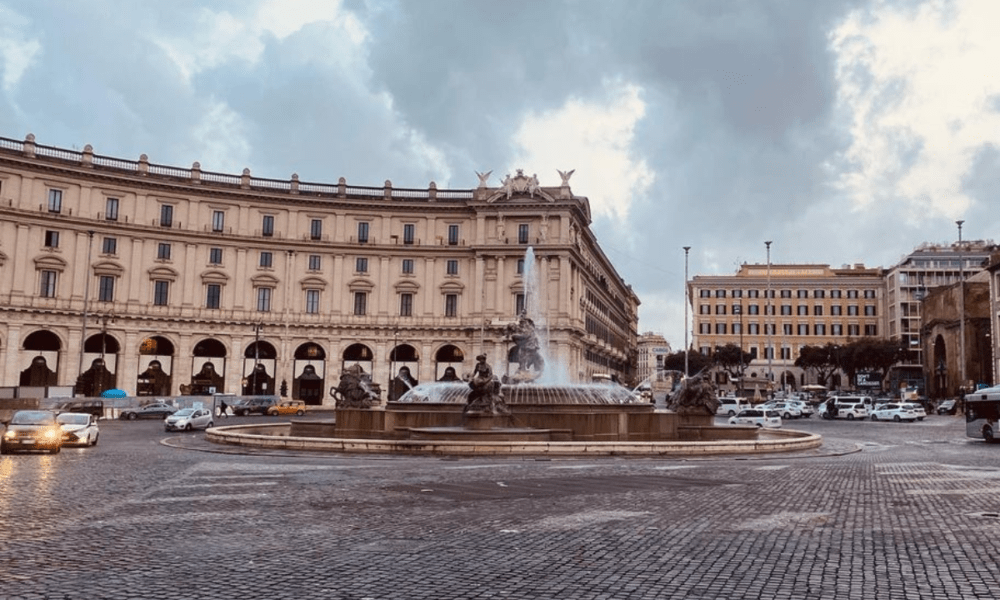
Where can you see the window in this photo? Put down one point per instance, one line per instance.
(737, 328)
(110, 246)
(452, 267)
(737, 293)
(520, 266)
(818, 310)
(786, 293)
(786, 329)
(819, 293)
(869, 293)
(786, 354)
(451, 305)
(803, 310)
(522, 233)
(453, 235)
(266, 259)
(408, 233)
(111, 209)
(406, 304)
(737, 309)
(519, 306)
(753, 293)
(803, 329)
(769, 309)
(819, 329)
(215, 256)
(801, 293)
(363, 233)
(753, 309)
(753, 352)
(869, 310)
(106, 289)
(166, 215)
(361, 265)
(267, 226)
(720, 309)
(264, 299)
(316, 229)
(704, 293)
(835, 294)
(408, 266)
(720, 293)
(852, 293)
(871, 329)
(161, 292)
(836, 310)
(360, 303)
(769, 353)
(163, 251)
(312, 301)
(786, 309)
(218, 220)
(769, 328)
(853, 329)
(720, 328)
(214, 296)
(55, 201)
(753, 329)
(314, 262)
(51, 239)
(836, 329)
(704, 328)
(47, 289)
(852, 311)
(704, 309)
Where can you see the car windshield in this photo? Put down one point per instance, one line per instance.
(73, 418)
(184, 412)
(33, 417)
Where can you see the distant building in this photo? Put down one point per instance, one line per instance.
(653, 348)
(772, 316)
(944, 311)
(993, 310)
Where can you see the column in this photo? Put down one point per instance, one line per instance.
(20, 282)
(501, 291)
(12, 346)
(237, 296)
(338, 290)
(383, 287)
(431, 290)
(479, 290)
(135, 271)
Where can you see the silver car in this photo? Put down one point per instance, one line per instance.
(187, 419)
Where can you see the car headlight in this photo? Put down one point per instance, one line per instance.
(9, 435)
(53, 434)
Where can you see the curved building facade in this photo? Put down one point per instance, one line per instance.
(161, 280)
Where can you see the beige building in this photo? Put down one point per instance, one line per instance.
(772, 316)
(187, 281)
(653, 348)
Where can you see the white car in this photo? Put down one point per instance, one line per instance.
(189, 418)
(787, 409)
(761, 417)
(79, 429)
(803, 406)
(894, 411)
(919, 410)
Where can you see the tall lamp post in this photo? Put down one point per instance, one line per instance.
(256, 354)
(961, 308)
(687, 249)
(767, 312)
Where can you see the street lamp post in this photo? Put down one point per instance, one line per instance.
(767, 312)
(739, 383)
(256, 353)
(961, 308)
(687, 249)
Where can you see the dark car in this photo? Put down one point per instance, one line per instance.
(91, 407)
(32, 430)
(156, 410)
(947, 407)
(252, 406)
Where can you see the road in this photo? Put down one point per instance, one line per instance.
(883, 510)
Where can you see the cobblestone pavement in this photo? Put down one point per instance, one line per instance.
(914, 514)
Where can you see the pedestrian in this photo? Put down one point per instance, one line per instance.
(223, 407)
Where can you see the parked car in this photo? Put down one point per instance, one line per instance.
(187, 419)
(79, 429)
(918, 410)
(894, 411)
(804, 407)
(252, 406)
(786, 409)
(730, 405)
(844, 410)
(288, 407)
(92, 407)
(761, 417)
(155, 410)
(32, 430)
(947, 407)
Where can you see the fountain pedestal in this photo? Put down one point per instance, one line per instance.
(484, 422)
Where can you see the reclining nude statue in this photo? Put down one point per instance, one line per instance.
(485, 398)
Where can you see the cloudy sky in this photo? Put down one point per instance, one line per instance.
(845, 131)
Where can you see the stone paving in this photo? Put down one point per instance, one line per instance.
(883, 510)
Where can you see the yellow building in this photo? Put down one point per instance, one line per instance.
(188, 281)
(772, 316)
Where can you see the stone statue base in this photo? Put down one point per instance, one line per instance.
(483, 422)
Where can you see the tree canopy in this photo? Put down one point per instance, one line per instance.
(732, 359)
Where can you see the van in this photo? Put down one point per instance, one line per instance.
(92, 407)
(731, 405)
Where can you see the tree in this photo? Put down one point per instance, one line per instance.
(821, 359)
(696, 362)
(869, 354)
(732, 359)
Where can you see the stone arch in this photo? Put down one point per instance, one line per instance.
(156, 367)
(449, 356)
(208, 363)
(309, 373)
